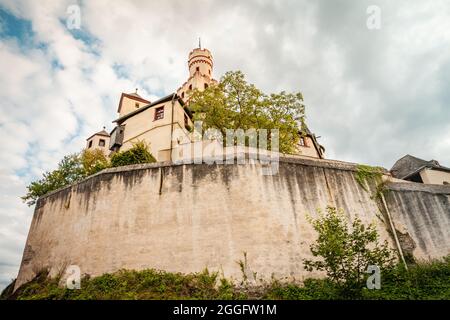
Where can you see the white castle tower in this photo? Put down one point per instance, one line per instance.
(200, 65)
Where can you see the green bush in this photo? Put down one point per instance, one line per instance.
(345, 253)
(139, 153)
(69, 170)
(93, 161)
(75, 167)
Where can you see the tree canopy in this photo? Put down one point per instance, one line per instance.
(70, 170)
(235, 104)
(139, 153)
(347, 252)
(75, 167)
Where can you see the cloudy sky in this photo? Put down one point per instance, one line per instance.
(373, 95)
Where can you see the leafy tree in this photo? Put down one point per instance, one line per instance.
(347, 252)
(93, 161)
(139, 153)
(69, 171)
(235, 104)
(78, 166)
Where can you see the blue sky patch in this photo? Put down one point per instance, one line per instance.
(13, 27)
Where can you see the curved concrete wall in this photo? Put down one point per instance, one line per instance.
(187, 217)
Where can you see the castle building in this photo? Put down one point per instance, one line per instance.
(418, 170)
(165, 124)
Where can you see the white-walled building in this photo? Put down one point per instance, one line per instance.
(166, 124)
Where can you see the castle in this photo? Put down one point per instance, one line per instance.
(166, 124)
(184, 217)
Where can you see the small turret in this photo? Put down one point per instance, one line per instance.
(99, 140)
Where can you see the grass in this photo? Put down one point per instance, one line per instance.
(423, 281)
(131, 285)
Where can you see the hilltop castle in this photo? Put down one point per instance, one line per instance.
(165, 124)
(184, 217)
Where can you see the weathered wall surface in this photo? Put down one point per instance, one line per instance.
(421, 214)
(188, 217)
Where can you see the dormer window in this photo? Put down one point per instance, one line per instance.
(159, 113)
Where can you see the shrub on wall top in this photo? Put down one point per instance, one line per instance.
(139, 153)
(93, 161)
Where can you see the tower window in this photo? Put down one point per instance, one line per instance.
(209, 71)
(101, 143)
(159, 113)
(198, 69)
(182, 95)
(206, 86)
(190, 87)
(90, 144)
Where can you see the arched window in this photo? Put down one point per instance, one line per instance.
(198, 69)
(182, 95)
(190, 87)
(209, 71)
(206, 86)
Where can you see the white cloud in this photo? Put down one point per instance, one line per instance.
(373, 96)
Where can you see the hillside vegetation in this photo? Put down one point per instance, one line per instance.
(423, 281)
